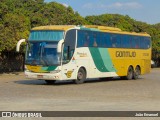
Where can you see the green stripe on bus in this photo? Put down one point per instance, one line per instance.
(50, 68)
(102, 59)
(98, 59)
(107, 59)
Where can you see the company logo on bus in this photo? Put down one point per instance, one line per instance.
(125, 54)
(69, 74)
(82, 54)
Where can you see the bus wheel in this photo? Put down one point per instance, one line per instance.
(136, 73)
(50, 82)
(129, 73)
(81, 76)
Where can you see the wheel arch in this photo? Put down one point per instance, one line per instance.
(82, 68)
(81, 75)
(131, 66)
(139, 68)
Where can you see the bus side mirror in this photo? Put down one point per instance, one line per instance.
(59, 47)
(19, 44)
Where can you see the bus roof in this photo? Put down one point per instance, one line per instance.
(115, 30)
(54, 27)
(89, 27)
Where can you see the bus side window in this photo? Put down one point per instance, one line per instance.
(86, 41)
(71, 52)
(92, 39)
(80, 39)
(133, 42)
(137, 42)
(126, 41)
(122, 41)
(104, 41)
(99, 39)
(146, 43)
(95, 40)
(142, 42)
(107, 40)
(118, 41)
(113, 40)
(67, 53)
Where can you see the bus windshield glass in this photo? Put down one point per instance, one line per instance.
(42, 53)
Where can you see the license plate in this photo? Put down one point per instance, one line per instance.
(39, 76)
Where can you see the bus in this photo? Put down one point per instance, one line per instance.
(68, 52)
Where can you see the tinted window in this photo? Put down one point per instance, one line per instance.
(110, 40)
(126, 41)
(70, 39)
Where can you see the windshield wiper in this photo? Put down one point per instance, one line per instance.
(44, 62)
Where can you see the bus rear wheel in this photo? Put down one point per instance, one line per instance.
(81, 76)
(136, 73)
(129, 73)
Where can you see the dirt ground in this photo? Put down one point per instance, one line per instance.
(20, 94)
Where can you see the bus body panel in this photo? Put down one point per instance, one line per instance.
(98, 61)
(123, 58)
(84, 58)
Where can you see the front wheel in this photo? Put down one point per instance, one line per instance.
(81, 76)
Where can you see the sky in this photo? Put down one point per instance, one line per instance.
(141, 10)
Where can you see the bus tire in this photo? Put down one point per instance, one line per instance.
(50, 82)
(81, 76)
(136, 73)
(129, 73)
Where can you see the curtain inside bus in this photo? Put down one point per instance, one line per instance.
(46, 35)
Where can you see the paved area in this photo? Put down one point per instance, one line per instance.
(20, 94)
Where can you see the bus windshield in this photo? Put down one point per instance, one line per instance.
(42, 53)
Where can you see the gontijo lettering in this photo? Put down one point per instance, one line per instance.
(125, 54)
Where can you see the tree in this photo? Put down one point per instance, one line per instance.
(17, 17)
(14, 27)
(126, 23)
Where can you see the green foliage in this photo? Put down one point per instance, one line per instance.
(13, 28)
(17, 17)
(128, 24)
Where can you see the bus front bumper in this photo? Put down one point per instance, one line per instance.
(43, 76)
